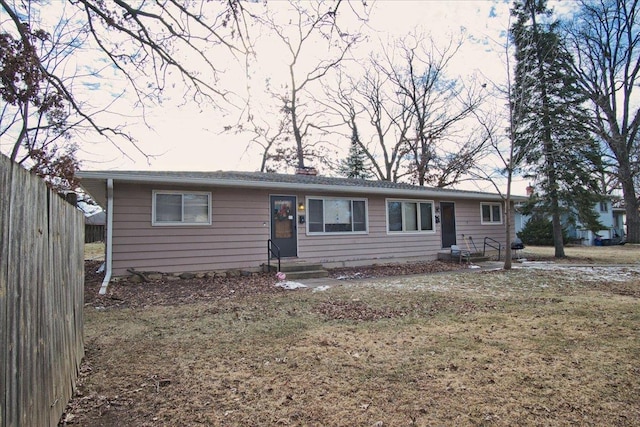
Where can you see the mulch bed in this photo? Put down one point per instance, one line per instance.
(129, 293)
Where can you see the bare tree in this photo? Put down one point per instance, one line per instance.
(434, 105)
(365, 106)
(605, 38)
(153, 45)
(271, 139)
(307, 25)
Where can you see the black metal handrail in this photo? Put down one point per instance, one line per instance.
(488, 241)
(270, 252)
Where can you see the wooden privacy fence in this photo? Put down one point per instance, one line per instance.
(41, 299)
(94, 233)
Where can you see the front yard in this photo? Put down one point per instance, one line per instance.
(551, 345)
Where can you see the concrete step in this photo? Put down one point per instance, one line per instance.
(291, 266)
(446, 256)
(306, 274)
(300, 270)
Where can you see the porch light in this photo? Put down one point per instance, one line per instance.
(300, 206)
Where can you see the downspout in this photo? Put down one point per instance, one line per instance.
(109, 246)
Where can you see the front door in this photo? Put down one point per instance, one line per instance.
(448, 224)
(283, 225)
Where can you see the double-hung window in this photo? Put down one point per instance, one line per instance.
(491, 213)
(410, 216)
(181, 208)
(336, 215)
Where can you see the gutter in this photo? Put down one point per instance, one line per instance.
(109, 247)
(296, 186)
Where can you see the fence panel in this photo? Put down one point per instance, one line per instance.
(41, 299)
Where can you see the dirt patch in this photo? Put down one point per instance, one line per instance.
(130, 293)
(386, 270)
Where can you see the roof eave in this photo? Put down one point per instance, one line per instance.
(89, 177)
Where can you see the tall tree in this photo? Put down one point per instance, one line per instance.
(364, 105)
(300, 30)
(53, 53)
(409, 113)
(434, 105)
(605, 40)
(355, 165)
(549, 125)
(35, 117)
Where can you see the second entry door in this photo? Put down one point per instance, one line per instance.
(448, 223)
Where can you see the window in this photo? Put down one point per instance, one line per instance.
(604, 207)
(181, 208)
(491, 213)
(409, 216)
(327, 215)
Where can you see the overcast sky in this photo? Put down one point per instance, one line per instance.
(187, 137)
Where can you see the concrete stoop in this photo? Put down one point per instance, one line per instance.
(300, 270)
(474, 258)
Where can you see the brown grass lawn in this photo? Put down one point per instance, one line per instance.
(94, 251)
(524, 347)
(625, 254)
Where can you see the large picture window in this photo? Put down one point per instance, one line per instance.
(333, 215)
(491, 213)
(410, 216)
(181, 208)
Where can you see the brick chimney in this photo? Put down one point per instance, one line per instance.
(307, 170)
(530, 190)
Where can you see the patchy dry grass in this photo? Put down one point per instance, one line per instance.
(94, 251)
(618, 254)
(524, 347)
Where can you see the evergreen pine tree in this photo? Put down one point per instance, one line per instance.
(355, 165)
(549, 120)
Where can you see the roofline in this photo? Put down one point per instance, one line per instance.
(222, 182)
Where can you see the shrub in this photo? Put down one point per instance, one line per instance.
(538, 231)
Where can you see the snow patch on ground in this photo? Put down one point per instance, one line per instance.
(594, 273)
(291, 285)
(499, 284)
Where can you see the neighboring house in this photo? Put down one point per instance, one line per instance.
(611, 218)
(207, 221)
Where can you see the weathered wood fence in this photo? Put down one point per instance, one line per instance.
(41, 299)
(94, 233)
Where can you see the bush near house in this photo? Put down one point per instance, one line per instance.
(538, 231)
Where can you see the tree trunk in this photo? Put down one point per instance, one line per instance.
(557, 235)
(628, 191)
(548, 146)
(507, 220)
(633, 215)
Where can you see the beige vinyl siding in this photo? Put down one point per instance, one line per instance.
(469, 223)
(236, 237)
(375, 246)
(240, 228)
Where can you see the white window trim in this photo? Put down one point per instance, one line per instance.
(179, 223)
(403, 232)
(491, 204)
(342, 233)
